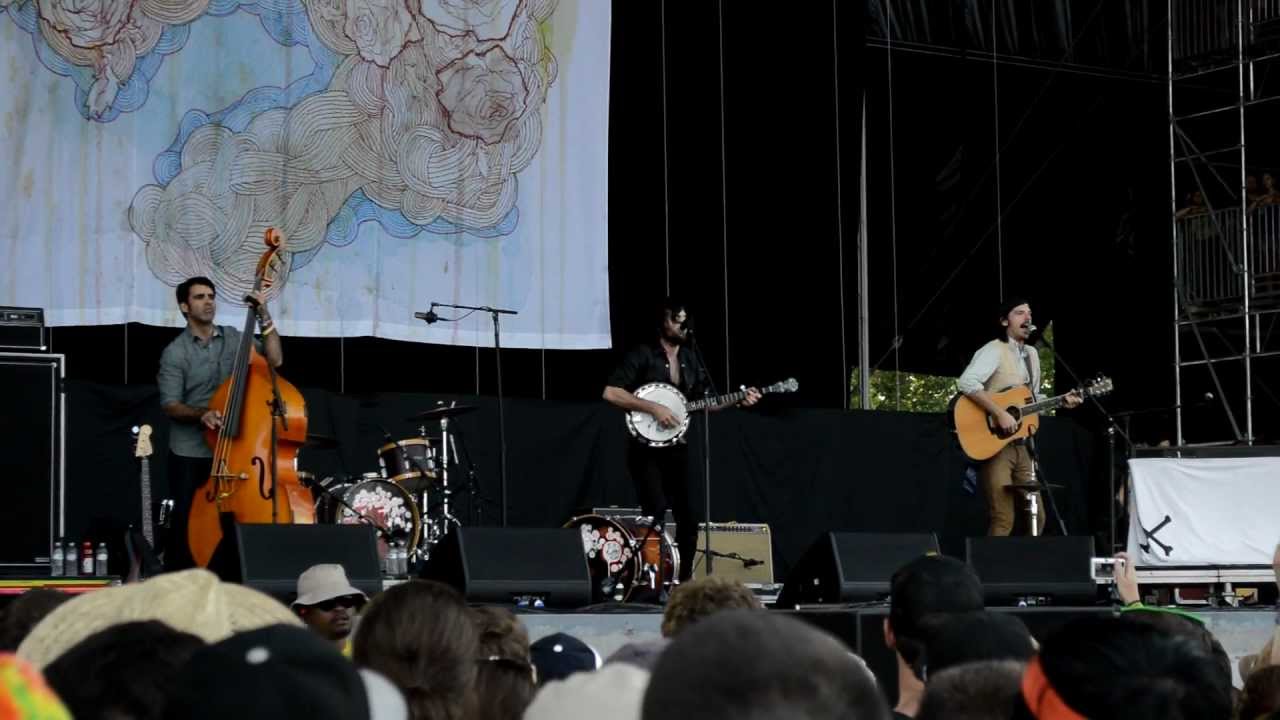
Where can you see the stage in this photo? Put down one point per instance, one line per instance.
(803, 471)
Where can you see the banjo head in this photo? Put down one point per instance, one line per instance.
(644, 426)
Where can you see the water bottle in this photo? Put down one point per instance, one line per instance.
(56, 559)
(86, 559)
(100, 560)
(71, 561)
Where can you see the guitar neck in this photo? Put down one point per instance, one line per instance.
(1043, 405)
(719, 400)
(147, 532)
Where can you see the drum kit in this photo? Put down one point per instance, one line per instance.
(410, 499)
(410, 502)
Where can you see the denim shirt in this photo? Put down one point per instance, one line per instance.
(190, 371)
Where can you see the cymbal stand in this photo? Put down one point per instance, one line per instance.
(476, 499)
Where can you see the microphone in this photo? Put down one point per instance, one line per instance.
(1030, 328)
(430, 316)
(687, 324)
(751, 562)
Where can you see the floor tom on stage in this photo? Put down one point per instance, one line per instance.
(386, 506)
(626, 561)
(410, 462)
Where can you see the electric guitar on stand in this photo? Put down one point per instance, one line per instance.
(646, 429)
(980, 438)
(140, 543)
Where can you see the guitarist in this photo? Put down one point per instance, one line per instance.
(191, 369)
(660, 474)
(998, 365)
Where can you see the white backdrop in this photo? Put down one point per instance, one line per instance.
(1221, 511)
(409, 152)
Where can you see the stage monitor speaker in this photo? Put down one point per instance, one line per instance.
(843, 567)
(271, 557)
(32, 431)
(501, 565)
(744, 552)
(1014, 568)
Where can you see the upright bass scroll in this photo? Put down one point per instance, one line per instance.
(241, 479)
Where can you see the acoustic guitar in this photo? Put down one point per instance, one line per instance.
(979, 435)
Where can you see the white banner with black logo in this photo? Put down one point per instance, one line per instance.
(1204, 511)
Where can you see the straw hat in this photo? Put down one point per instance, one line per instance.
(323, 582)
(193, 601)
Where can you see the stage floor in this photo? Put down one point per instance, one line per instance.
(1241, 631)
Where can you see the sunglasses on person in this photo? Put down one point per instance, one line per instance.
(346, 601)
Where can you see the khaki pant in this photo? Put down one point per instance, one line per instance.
(1011, 464)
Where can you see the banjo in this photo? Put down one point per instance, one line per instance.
(646, 429)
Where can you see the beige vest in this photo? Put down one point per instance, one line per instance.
(1009, 372)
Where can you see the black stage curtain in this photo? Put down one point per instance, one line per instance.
(801, 471)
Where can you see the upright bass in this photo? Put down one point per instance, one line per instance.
(257, 414)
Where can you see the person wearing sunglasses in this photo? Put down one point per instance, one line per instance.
(328, 603)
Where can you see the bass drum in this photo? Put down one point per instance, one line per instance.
(386, 506)
(621, 570)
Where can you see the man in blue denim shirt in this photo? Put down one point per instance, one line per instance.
(191, 369)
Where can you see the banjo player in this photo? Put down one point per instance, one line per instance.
(660, 473)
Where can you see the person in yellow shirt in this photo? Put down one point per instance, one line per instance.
(328, 604)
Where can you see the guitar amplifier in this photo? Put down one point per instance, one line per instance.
(22, 330)
(748, 547)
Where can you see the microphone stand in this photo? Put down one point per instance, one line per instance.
(708, 554)
(1112, 429)
(495, 313)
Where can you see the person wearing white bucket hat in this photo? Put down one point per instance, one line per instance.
(327, 601)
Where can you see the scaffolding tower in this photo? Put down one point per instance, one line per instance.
(1226, 200)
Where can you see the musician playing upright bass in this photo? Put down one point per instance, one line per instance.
(660, 474)
(1000, 364)
(191, 369)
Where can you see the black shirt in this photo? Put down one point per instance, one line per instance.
(647, 363)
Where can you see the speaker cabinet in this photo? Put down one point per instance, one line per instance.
(497, 565)
(1053, 567)
(271, 557)
(842, 567)
(32, 431)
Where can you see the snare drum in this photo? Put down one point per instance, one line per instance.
(404, 462)
(620, 568)
(388, 505)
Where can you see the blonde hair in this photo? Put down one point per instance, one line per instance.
(694, 601)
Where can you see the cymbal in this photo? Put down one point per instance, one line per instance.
(1031, 486)
(444, 411)
(321, 442)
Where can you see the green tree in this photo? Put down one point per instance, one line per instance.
(919, 392)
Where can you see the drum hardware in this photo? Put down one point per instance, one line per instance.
(443, 412)
(395, 510)
(319, 490)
